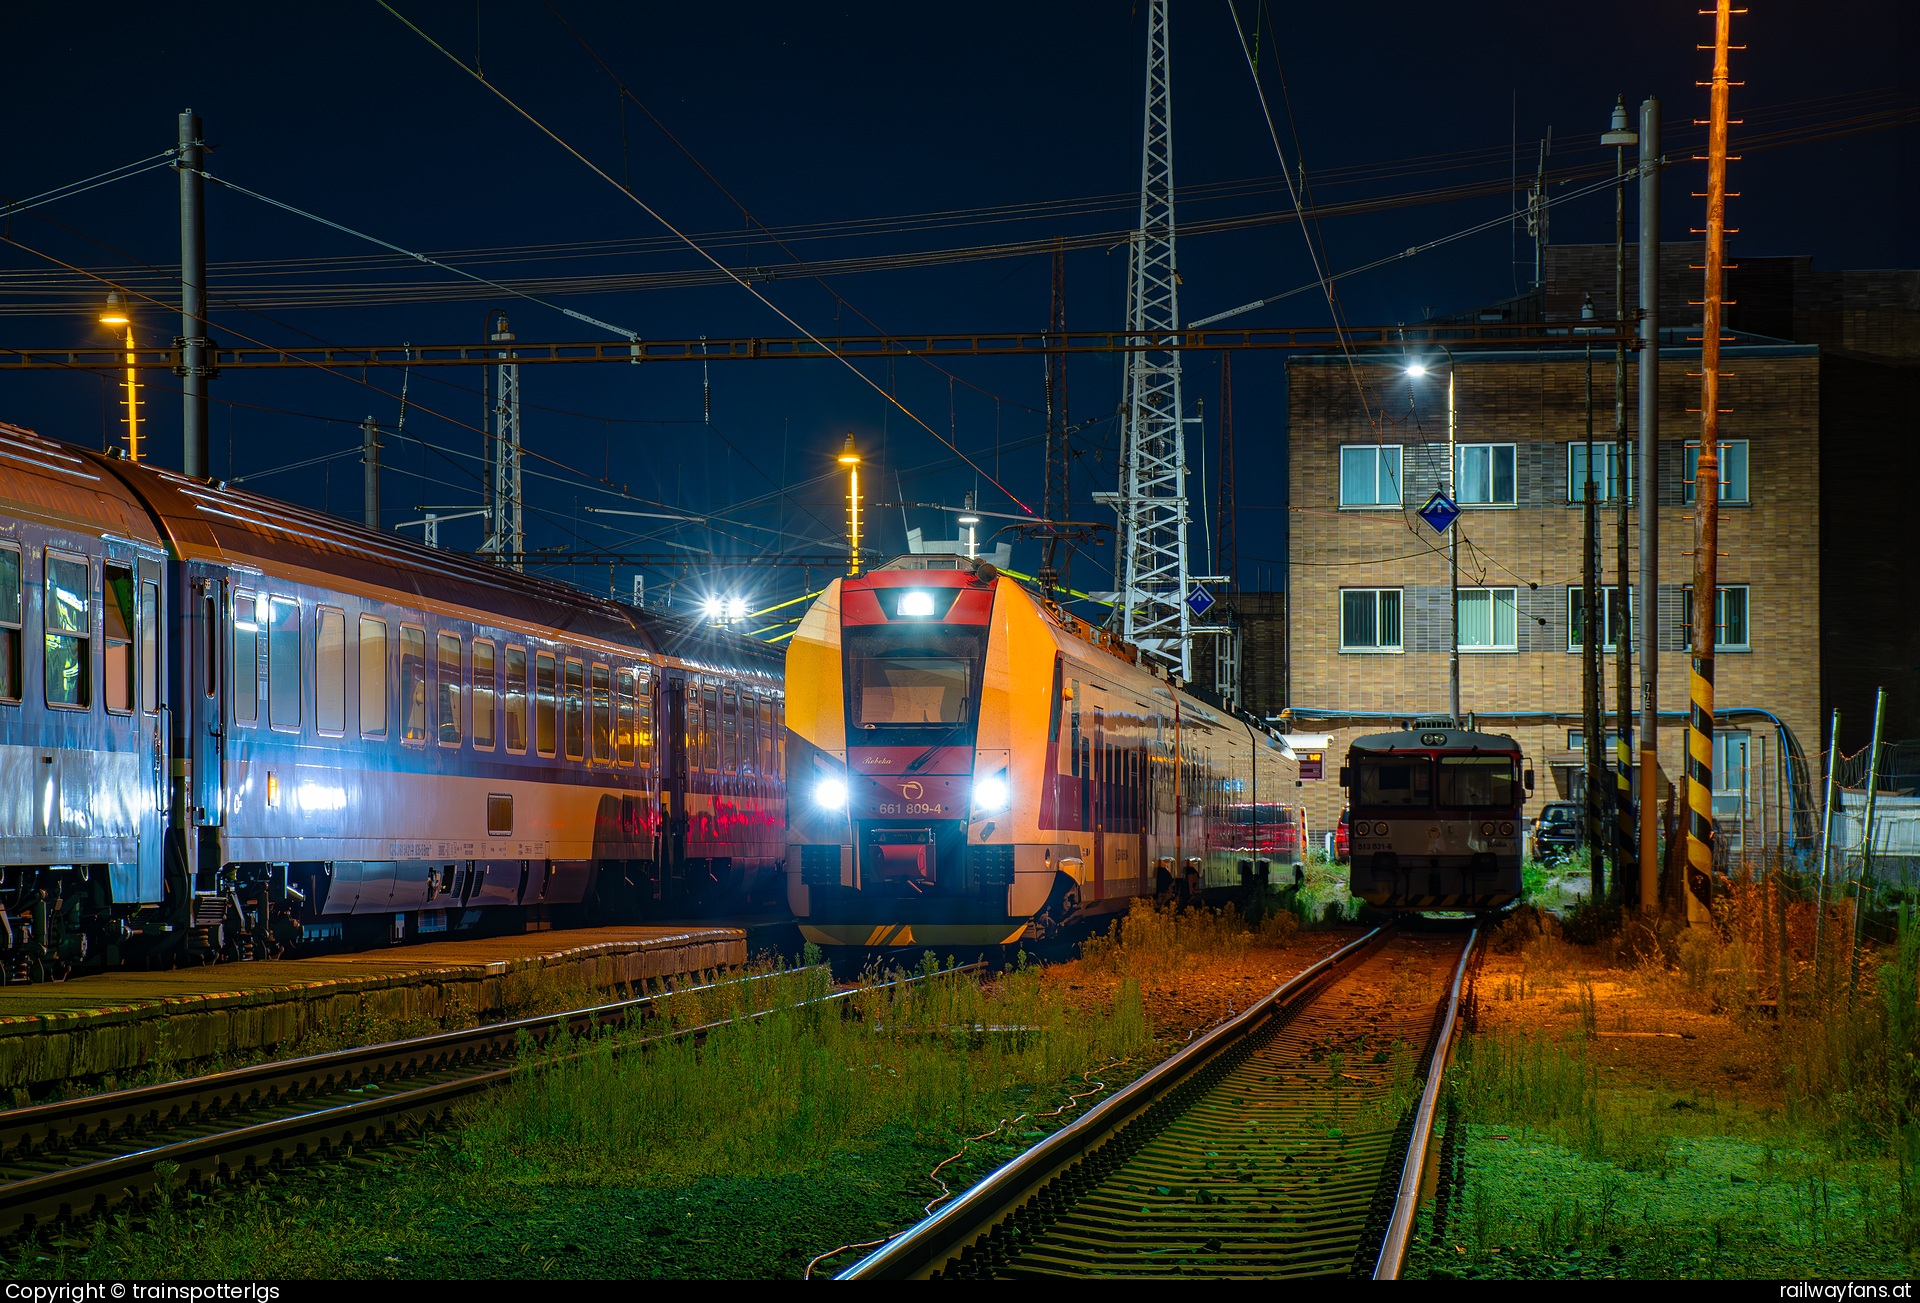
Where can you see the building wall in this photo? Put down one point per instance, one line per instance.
(1537, 401)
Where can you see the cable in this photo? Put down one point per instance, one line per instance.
(690, 243)
(108, 177)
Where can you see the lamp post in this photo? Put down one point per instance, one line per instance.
(116, 318)
(850, 458)
(1416, 370)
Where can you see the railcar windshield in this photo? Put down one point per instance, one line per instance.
(1478, 782)
(904, 682)
(1404, 781)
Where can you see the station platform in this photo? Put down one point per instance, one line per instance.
(126, 1027)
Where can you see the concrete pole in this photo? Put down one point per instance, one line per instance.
(370, 461)
(1592, 636)
(1647, 626)
(195, 367)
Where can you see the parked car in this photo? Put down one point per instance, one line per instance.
(1340, 839)
(1556, 832)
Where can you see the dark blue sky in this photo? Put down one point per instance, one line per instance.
(836, 114)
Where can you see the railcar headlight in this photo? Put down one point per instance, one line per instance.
(830, 794)
(916, 603)
(990, 794)
(1506, 830)
(1486, 829)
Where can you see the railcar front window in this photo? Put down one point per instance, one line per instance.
(1477, 781)
(1405, 781)
(69, 620)
(912, 689)
(10, 604)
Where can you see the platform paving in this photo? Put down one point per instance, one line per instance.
(119, 1025)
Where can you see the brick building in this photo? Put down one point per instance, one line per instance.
(1814, 602)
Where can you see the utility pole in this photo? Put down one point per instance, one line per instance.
(1227, 646)
(1620, 613)
(1647, 627)
(195, 370)
(1592, 635)
(507, 531)
(1537, 211)
(370, 462)
(1706, 487)
(1058, 487)
(1151, 503)
(1862, 884)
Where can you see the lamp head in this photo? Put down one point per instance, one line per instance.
(114, 314)
(849, 455)
(1416, 369)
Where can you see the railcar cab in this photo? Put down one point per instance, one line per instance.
(913, 661)
(1436, 817)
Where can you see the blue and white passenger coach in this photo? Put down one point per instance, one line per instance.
(229, 725)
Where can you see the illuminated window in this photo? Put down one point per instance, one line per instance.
(330, 670)
(517, 700)
(546, 689)
(451, 683)
(373, 676)
(10, 621)
(413, 683)
(485, 695)
(601, 704)
(119, 621)
(69, 625)
(576, 709)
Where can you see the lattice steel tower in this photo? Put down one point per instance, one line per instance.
(1151, 557)
(506, 536)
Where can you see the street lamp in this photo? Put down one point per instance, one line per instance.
(850, 458)
(969, 519)
(1417, 370)
(115, 317)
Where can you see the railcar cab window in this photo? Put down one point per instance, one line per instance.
(10, 621)
(119, 623)
(69, 625)
(1478, 782)
(913, 679)
(1405, 781)
(243, 670)
(413, 683)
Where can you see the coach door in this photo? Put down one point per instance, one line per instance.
(671, 711)
(208, 617)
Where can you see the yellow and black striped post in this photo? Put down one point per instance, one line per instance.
(1706, 554)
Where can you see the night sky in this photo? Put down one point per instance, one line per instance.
(855, 133)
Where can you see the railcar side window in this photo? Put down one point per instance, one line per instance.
(1395, 780)
(623, 691)
(517, 700)
(484, 695)
(766, 736)
(710, 728)
(69, 612)
(413, 683)
(330, 671)
(283, 663)
(450, 684)
(244, 668)
(602, 715)
(10, 604)
(645, 750)
(545, 686)
(149, 647)
(373, 676)
(576, 688)
(749, 734)
(729, 731)
(1477, 781)
(117, 629)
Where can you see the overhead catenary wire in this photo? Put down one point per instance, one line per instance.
(151, 163)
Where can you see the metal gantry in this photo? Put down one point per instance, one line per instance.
(506, 534)
(1151, 503)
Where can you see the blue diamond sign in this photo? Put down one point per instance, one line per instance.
(1200, 601)
(1440, 512)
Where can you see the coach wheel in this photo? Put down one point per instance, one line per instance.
(1062, 902)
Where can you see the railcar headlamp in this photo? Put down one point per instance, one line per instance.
(830, 794)
(990, 794)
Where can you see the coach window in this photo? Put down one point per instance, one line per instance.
(283, 663)
(373, 676)
(69, 611)
(413, 683)
(149, 646)
(450, 682)
(485, 696)
(10, 604)
(710, 727)
(623, 694)
(517, 700)
(602, 706)
(645, 738)
(695, 746)
(244, 668)
(749, 735)
(729, 731)
(117, 638)
(545, 689)
(330, 671)
(780, 736)
(766, 735)
(576, 687)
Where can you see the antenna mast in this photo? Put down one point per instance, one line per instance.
(1151, 559)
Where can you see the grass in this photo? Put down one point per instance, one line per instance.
(1792, 1150)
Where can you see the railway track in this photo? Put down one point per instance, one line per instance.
(79, 1158)
(1289, 1142)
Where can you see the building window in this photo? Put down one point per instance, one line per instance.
(1486, 620)
(373, 676)
(1370, 475)
(10, 612)
(1733, 471)
(1483, 474)
(330, 671)
(1615, 617)
(1609, 485)
(69, 628)
(1370, 619)
(1730, 628)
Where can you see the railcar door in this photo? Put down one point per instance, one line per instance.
(206, 621)
(671, 711)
